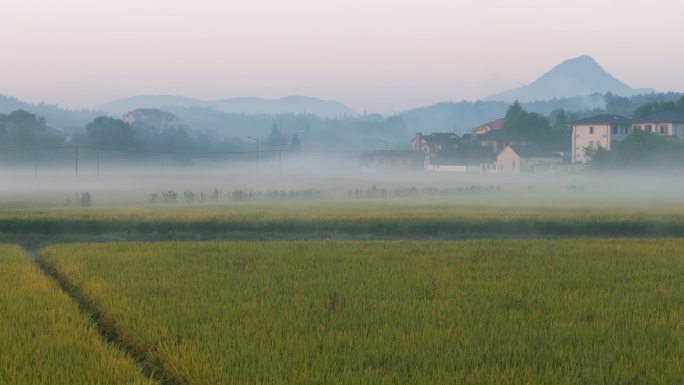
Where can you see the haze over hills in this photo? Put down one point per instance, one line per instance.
(580, 76)
(576, 85)
(246, 105)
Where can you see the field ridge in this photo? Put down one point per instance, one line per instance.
(107, 328)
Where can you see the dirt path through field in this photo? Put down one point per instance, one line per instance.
(153, 370)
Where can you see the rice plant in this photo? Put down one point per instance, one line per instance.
(393, 312)
(45, 339)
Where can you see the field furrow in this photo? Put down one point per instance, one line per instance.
(387, 312)
(45, 339)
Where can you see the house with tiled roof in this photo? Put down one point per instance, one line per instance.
(515, 159)
(435, 143)
(665, 123)
(597, 131)
(498, 139)
(489, 126)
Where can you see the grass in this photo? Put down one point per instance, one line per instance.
(45, 339)
(440, 312)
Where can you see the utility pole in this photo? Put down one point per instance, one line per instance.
(386, 143)
(76, 158)
(257, 151)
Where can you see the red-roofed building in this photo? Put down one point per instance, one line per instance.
(493, 125)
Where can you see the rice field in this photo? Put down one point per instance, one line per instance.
(358, 220)
(44, 337)
(391, 312)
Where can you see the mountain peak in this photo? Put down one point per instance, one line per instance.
(580, 76)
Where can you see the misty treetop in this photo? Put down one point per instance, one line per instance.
(538, 129)
(660, 106)
(22, 129)
(640, 150)
(109, 133)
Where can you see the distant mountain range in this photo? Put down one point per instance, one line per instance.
(577, 85)
(243, 105)
(580, 76)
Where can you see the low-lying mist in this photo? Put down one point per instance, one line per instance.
(318, 177)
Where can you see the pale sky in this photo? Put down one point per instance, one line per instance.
(381, 55)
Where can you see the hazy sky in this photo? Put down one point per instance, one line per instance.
(372, 55)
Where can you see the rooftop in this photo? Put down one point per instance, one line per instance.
(533, 152)
(661, 117)
(603, 119)
(494, 124)
(501, 134)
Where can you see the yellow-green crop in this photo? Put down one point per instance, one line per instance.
(45, 339)
(406, 312)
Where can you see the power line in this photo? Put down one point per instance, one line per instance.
(190, 153)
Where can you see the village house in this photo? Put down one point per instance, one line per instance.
(393, 160)
(515, 159)
(597, 131)
(490, 126)
(499, 139)
(435, 143)
(666, 123)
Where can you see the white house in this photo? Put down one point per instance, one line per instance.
(597, 131)
(666, 123)
(515, 159)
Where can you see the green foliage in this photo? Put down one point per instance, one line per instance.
(475, 312)
(21, 129)
(86, 199)
(109, 133)
(660, 106)
(642, 149)
(295, 144)
(536, 128)
(276, 140)
(45, 339)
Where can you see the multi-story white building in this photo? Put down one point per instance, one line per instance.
(597, 131)
(666, 123)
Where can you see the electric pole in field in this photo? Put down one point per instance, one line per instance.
(257, 151)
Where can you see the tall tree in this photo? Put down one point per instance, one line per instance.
(295, 145)
(110, 133)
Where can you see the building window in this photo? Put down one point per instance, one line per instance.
(649, 128)
(663, 129)
(614, 130)
(591, 144)
(591, 130)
